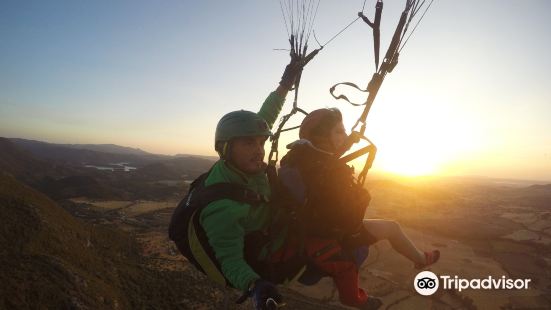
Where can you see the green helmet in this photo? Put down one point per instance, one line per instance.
(240, 124)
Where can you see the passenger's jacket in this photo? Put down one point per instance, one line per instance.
(227, 222)
(327, 200)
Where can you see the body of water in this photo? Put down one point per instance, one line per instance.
(113, 167)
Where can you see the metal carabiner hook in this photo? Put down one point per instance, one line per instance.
(271, 304)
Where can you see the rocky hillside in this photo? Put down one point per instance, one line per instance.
(51, 260)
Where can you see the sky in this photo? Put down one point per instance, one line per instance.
(470, 96)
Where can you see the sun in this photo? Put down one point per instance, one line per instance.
(411, 165)
(416, 139)
(403, 160)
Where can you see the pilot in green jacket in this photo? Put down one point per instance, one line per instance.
(240, 138)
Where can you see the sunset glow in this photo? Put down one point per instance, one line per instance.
(157, 77)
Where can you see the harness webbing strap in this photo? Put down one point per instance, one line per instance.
(230, 191)
(199, 253)
(332, 90)
(296, 276)
(366, 149)
(377, 32)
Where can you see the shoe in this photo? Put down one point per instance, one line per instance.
(372, 303)
(430, 258)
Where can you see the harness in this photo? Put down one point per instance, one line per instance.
(188, 234)
(324, 199)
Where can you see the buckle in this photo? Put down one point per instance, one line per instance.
(252, 195)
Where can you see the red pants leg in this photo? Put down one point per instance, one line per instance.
(328, 256)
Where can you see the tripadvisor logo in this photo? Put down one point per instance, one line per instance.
(426, 283)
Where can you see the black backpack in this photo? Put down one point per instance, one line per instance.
(190, 237)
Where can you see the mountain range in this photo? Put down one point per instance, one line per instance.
(64, 171)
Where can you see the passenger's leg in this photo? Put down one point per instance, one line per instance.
(347, 281)
(327, 255)
(391, 231)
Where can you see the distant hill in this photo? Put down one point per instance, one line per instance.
(101, 154)
(60, 171)
(15, 160)
(79, 155)
(538, 196)
(78, 186)
(23, 165)
(176, 168)
(482, 180)
(109, 148)
(214, 158)
(542, 188)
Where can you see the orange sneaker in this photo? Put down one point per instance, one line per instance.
(430, 258)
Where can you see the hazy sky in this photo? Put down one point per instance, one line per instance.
(471, 94)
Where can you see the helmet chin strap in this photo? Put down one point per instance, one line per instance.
(224, 150)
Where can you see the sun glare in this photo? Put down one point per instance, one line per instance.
(416, 139)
